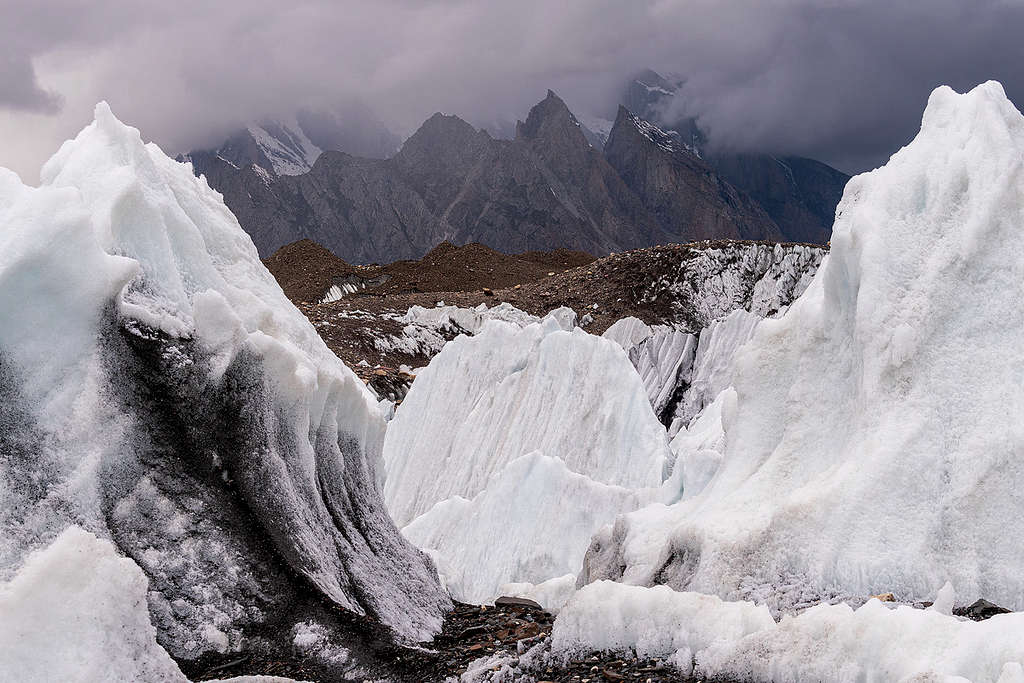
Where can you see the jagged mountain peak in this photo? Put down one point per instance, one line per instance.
(629, 124)
(437, 135)
(702, 205)
(551, 120)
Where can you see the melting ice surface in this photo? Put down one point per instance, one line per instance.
(873, 443)
(158, 390)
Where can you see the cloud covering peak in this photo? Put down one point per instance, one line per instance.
(838, 80)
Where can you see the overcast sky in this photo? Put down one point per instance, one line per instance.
(840, 80)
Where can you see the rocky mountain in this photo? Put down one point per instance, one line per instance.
(689, 200)
(290, 146)
(799, 194)
(548, 187)
(651, 96)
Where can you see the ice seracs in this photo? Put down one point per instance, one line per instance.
(513, 447)
(872, 445)
(161, 392)
(486, 400)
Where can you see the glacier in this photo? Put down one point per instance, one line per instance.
(707, 637)
(513, 447)
(484, 401)
(158, 390)
(871, 446)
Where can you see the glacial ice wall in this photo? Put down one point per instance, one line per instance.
(874, 444)
(159, 390)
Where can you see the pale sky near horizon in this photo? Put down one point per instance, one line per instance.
(844, 81)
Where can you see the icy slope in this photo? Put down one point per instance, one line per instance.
(157, 388)
(486, 400)
(875, 443)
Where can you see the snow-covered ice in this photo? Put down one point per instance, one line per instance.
(711, 638)
(654, 622)
(874, 445)
(712, 367)
(531, 523)
(76, 611)
(628, 332)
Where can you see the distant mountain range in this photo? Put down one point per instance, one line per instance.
(597, 186)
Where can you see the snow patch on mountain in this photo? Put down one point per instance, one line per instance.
(285, 145)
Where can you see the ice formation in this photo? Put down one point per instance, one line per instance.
(709, 638)
(76, 611)
(874, 443)
(628, 332)
(664, 361)
(712, 368)
(159, 390)
(548, 513)
(709, 283)
(489, 399)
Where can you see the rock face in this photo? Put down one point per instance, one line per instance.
(546, 188)
(799, 194)
(686, 196)
(168, 397)
(358, 208)
(290, 146)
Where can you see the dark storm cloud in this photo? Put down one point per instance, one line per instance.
(843, 81)
(19, 88)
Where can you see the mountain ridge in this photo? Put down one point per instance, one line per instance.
(549, 186)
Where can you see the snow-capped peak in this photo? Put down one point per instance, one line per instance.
(286, 146)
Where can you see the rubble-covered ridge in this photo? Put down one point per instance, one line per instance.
(686, 286)
(161, 392)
